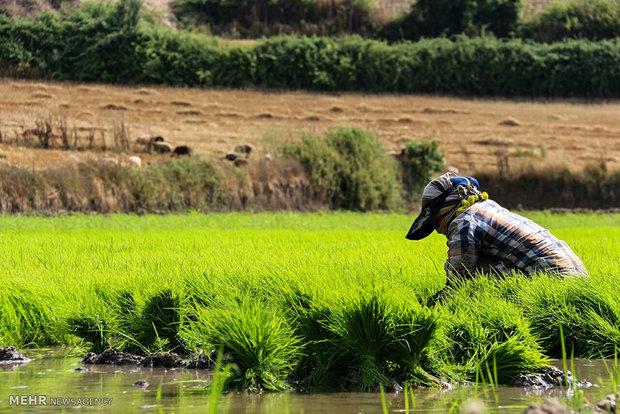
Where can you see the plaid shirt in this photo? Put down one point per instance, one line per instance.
(488, 238)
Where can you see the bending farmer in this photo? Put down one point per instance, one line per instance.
(485, 237)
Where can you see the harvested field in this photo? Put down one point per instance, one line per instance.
(473, 133)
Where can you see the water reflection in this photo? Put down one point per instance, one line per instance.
(172, 390)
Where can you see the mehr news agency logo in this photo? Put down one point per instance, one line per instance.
(44, 400)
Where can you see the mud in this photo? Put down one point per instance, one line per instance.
(608, 404)
(161, 360)
(550, 377)
(155, 360)
(9, 355)
(548, 407)
(202, 362)
(112, 357)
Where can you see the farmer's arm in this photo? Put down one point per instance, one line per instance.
(463, 251)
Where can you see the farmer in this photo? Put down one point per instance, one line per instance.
(484, 237)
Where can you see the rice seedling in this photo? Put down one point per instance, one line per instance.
(258, 343)
(328, 301)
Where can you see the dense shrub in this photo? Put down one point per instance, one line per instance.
(576, 19)
(251, 18)
(535, 188)
(107, 42)
(349, 168)
(419, 160)
(433, 18)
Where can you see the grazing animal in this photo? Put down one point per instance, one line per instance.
(239, 162)
(135, 161)
(148, 140)
(161, 147)
(144, 140)
(244, 149)
(182, 150)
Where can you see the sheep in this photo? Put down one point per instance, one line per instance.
(135, 161)
(239, 162)
(244, 149)
(161, 147)
(182, 150)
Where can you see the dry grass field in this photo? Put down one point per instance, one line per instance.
(473, 133)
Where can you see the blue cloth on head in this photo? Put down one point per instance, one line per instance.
(464, 181)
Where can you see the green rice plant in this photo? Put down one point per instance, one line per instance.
(29, 318)
(92, 328)
(508, 359)
(414, 332)
(322, 300)
(364, 330)
(260, 345)
(589, 316)
(158, 325)
(321, 364)
(382, 342)
(481, 329)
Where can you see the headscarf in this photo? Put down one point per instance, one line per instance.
(445, 198)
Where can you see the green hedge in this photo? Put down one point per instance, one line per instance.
(110, 43)
(253, 18)
(433, 18)
(576, 19)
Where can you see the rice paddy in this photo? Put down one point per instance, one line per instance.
(333, 301)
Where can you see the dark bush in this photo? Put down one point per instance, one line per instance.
(252, 18)
(577, 19)
(419, 160)
(434, 18)
(536, 188)
(349, 168)
(107, 42)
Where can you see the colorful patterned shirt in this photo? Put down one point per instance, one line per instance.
(488, 238)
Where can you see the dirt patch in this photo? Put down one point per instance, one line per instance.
(112, 357)
(155, 360)
(202, 362)
(9, 354)
(189, 112)
(285, 116)
(549, 377)
(114, 107)
(510, 121)
(161, 360)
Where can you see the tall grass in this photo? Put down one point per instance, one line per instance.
(334, 301)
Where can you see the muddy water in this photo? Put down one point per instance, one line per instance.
(110, 388)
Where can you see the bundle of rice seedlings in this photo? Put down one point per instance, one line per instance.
(321, 365)
(589, 317)
(259, 343)
(91, 328)
(29, 319)
(382, 342)
(501, 362)
(481, 328)
(157, 326)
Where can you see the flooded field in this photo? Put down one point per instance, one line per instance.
(111, 389)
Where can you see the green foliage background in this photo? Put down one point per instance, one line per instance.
(110, 43)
